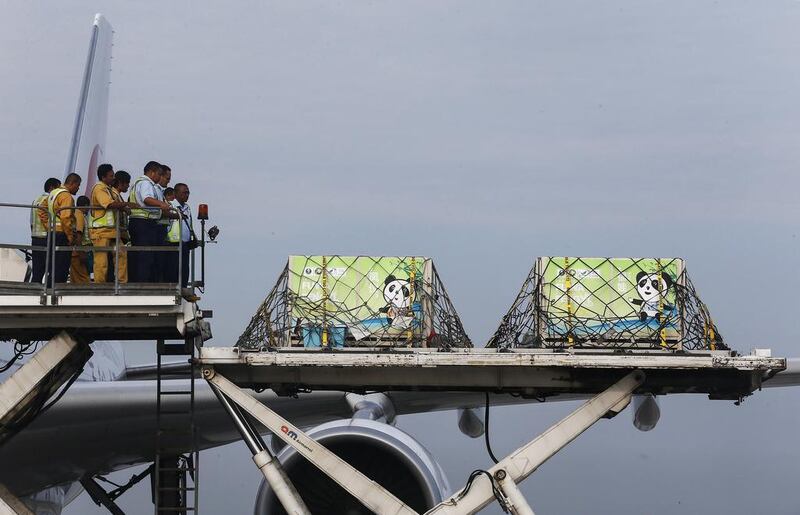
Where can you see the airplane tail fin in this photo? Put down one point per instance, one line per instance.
(88, 146)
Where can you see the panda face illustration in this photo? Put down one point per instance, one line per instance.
(651, 286)
(397, 292)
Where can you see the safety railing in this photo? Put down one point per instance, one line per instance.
(53, 280)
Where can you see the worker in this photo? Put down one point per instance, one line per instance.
(169, 195)
(104, 226)
(122, 181)
(40, 224)
(181, 233)
(163, 259)
(80, 262)
(142, 225)
(59, 202)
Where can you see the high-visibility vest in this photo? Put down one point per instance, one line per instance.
(51, 200)
(85, 238)
(174, 234)
(108, 218)
(141, 212)
(38, 230)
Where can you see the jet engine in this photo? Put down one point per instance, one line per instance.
(382, 452)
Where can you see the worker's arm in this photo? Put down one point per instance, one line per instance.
(166, 208)
(103, 197)
(61, 202)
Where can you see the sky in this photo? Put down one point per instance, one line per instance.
(482, 135)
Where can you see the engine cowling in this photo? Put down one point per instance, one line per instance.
(382, 452)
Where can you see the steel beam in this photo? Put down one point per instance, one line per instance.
(270, 467)
(371, 494)
(524, 461)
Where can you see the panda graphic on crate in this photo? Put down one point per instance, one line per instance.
(397, 294)
(652, 289)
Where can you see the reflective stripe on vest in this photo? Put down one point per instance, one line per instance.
(51, 200)
(86, 240)
(38, 230)
(147, 214)
(107, 219)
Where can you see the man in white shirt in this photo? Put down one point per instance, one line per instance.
(143, 224)
(180, 234)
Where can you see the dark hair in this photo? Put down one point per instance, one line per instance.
(73, 177)
(103, 169)
(169, 191)
(152, 166)
(165, 167)
(82, 201)
(181, 185)
(51, 183)
(122, 176)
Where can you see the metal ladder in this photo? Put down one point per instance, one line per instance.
(176, 467)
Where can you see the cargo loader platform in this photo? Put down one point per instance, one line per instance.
(529, 372)
(607, 378)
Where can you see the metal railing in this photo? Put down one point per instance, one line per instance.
(49, 286)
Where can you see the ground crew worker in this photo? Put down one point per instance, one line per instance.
(163, 259)
(180, 231)
(80, 262)
(103, 225)
(40, 224)
(169, 195)
(122, 181)
(142, 225)
(58, 203)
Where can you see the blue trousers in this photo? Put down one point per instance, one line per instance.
(143, 265)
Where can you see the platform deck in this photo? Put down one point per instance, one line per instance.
(130, 315)
(536, 373)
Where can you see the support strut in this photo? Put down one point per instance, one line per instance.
(371, 494)
(499, 483)
(520, 464)
(265, 461)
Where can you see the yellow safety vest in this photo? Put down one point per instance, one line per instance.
(85, 239)
(174, 234)
(108, 218)
(38, 230)
(51, 200)
(142, 212)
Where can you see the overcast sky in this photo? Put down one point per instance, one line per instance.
(483, 135)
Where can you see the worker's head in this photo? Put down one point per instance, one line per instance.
(122, 181)
(166, 176)
(72, 183)
(153, 170)
(169, 194)
(83, 201)
(181, 192)
(51, 184)
(105, 173)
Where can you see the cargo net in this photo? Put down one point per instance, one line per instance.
(608, 303)
(338, 301)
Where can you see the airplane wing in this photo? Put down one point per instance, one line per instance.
(788, 377)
